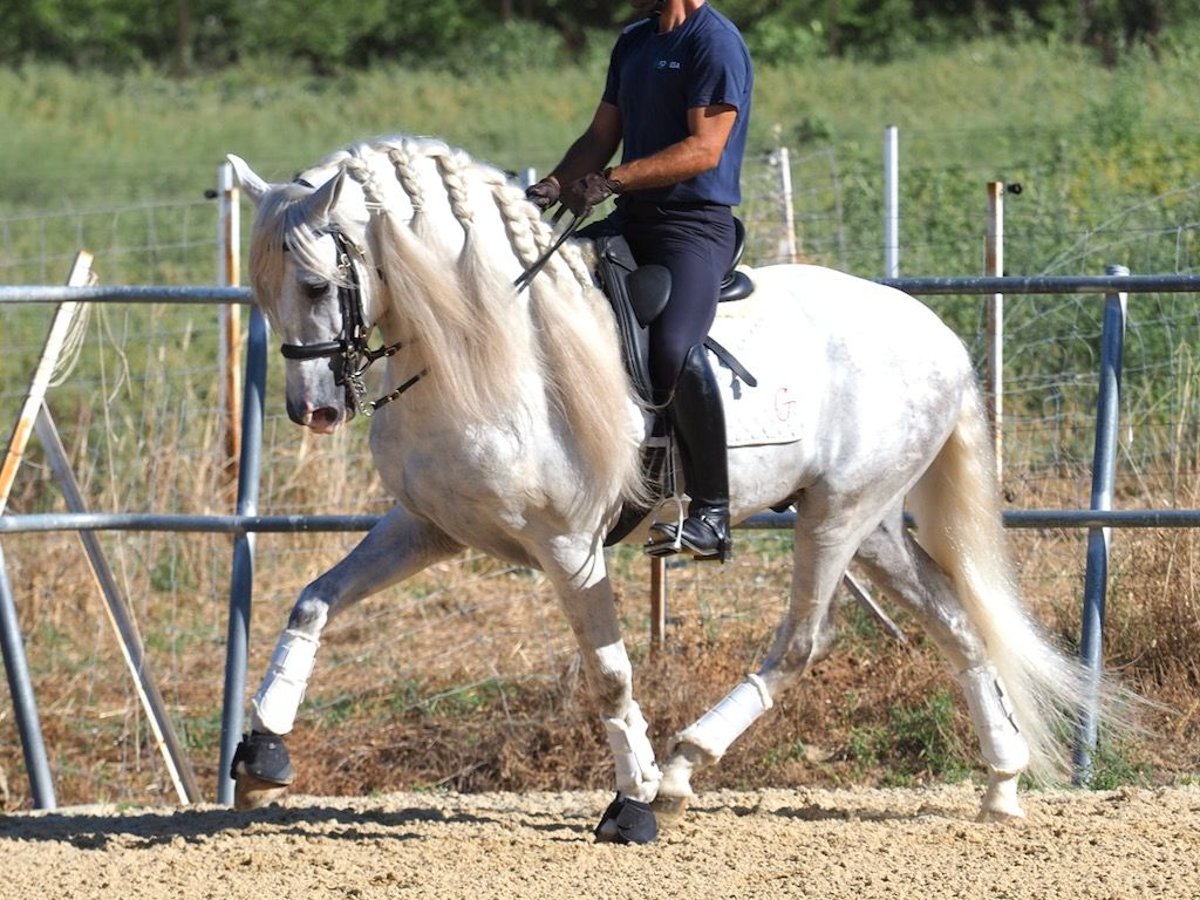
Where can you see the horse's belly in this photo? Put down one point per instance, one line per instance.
(481, 486)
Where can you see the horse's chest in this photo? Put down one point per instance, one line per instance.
(444, 475)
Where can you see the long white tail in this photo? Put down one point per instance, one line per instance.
(959, 524)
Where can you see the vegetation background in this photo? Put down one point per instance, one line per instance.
(113, 118)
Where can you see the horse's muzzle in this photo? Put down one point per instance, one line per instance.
(321, 419)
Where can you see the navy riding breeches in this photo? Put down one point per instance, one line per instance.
(695, 242)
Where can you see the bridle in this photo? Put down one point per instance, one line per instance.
(349, 350)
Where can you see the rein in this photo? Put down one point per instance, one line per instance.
(350, 348)
(526, 277)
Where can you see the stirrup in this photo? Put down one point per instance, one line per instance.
(660, 547)
(676, 536)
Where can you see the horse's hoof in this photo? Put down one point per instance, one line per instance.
(627, 822)
(668, 809)
(1000, 815)
(1000, 803)
(261, 770)
(254, 793)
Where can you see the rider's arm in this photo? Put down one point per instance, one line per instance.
(593, 149)
(708, 130)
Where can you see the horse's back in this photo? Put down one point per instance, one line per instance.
(826, 302)
(858, 375)
(840, 332)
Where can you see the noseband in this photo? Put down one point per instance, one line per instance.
(349, 349)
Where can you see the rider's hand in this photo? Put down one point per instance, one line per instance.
(583, 195)
(544, 194)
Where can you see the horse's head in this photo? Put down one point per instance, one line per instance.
(307, 273)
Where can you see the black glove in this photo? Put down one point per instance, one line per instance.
(582, 196)
(544, 194)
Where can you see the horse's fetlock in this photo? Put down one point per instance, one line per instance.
(638, 775)
(309, 615)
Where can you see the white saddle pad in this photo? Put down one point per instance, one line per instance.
(772, 411)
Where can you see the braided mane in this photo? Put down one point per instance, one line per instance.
(448, 236)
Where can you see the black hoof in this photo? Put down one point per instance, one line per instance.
(264, 757)
(627, 822)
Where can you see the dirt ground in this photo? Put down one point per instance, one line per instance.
(862, 844)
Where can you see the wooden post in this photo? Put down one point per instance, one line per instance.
(230, 319)
(658, 603)
(60, 327)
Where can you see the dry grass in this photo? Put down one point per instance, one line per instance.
(466, 677)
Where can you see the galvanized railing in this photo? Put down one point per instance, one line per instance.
(1098, 519)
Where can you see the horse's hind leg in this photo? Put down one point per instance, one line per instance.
(803, 638)
(397, 547)
(901, 567)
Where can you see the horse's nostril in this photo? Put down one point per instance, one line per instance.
(326, 415)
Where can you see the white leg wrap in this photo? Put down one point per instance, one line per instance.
(1000, 740)
(282, 689)
(637, 774)
(720, 726)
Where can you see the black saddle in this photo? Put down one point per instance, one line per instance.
(638, 295)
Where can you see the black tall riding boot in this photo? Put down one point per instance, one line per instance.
(698, 418)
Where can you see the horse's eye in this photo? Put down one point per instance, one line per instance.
(314, 290)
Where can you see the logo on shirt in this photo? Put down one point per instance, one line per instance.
(668, 64)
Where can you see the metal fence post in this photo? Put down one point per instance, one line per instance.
(1095, 582)
(891, 202)
(242, 576)
(24, 704)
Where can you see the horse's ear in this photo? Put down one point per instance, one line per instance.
(318, 209)
(254, 186)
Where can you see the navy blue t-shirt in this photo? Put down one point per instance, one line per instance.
(654, 79)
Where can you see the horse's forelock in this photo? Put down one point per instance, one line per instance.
(282, 226)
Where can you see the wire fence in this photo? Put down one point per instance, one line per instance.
(142, 416)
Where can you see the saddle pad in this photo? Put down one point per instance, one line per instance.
(772, 412)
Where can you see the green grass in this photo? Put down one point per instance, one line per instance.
(1108, 169)
(74, 140)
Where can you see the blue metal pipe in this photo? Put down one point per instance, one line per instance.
(1104, 463)
(124, 293)
(933, 284)
(24, 704)
(242, 577)
(167, 522)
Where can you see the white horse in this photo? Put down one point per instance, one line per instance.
(513, 430)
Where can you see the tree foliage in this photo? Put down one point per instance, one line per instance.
(328, 35)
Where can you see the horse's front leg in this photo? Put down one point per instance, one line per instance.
(577, 570)
(398, 546)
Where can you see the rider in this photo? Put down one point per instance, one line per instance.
(677, 98)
